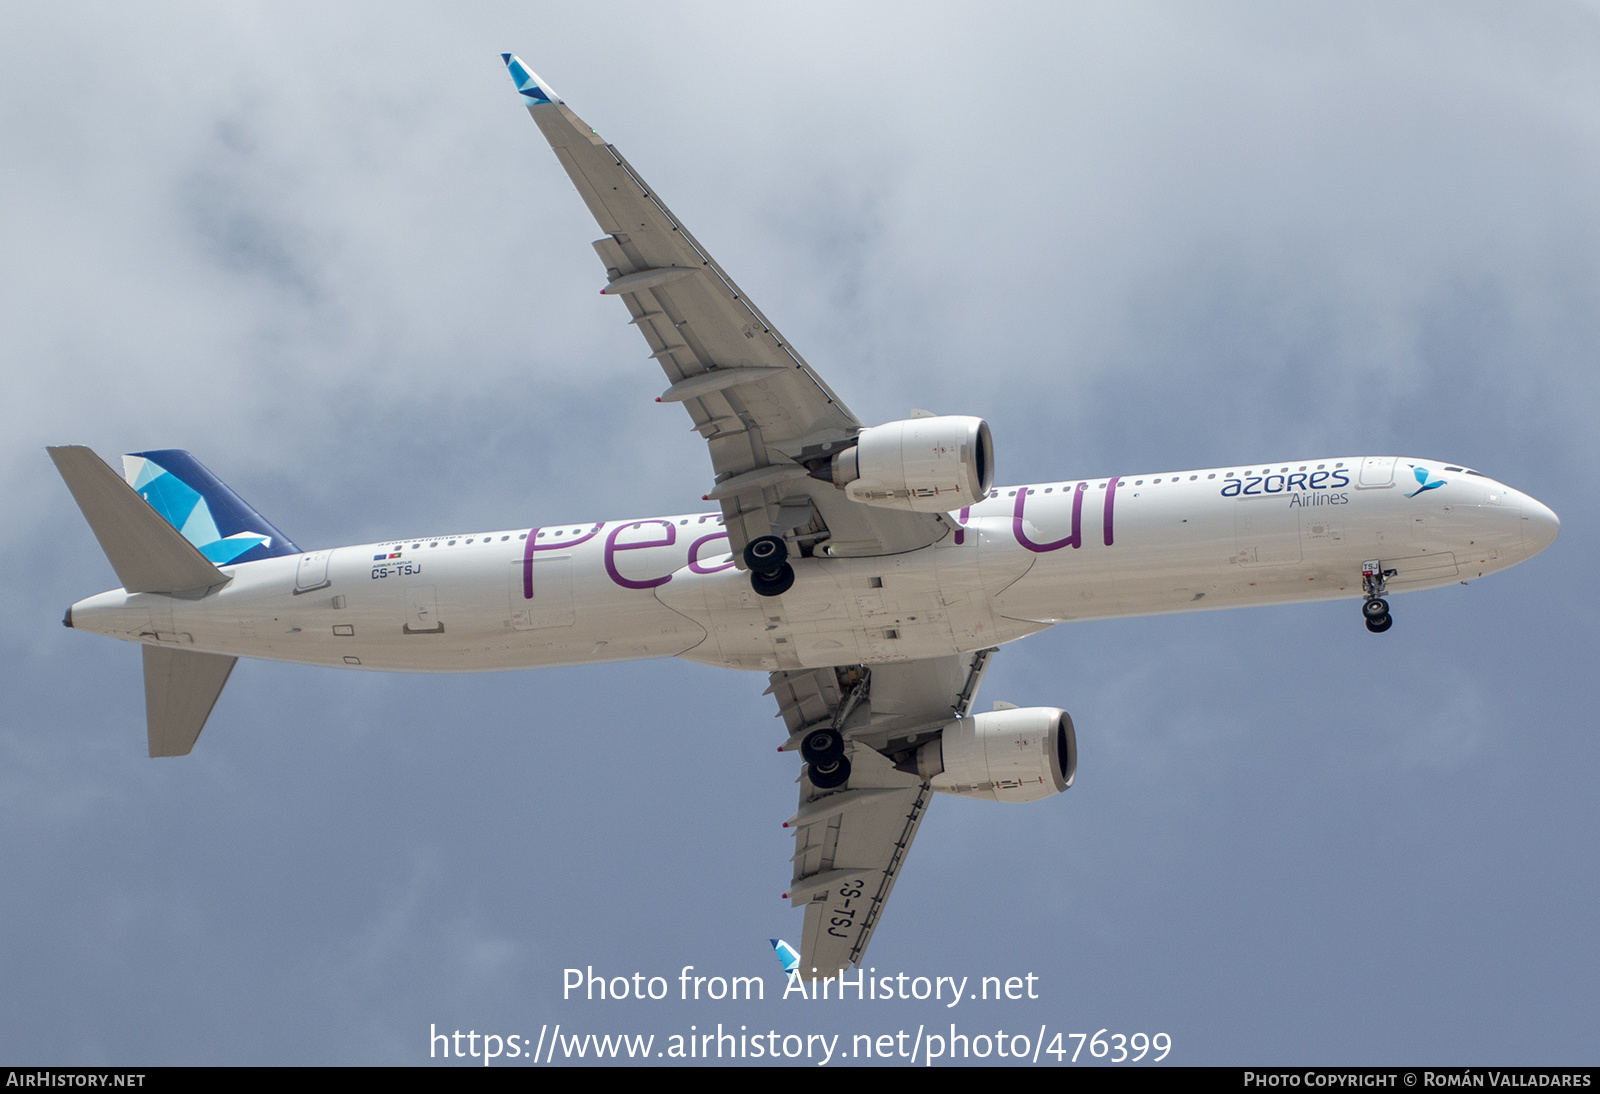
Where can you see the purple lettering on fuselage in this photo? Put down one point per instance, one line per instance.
(1075, 540)
(613, 547)
(694, 555)
(1111, 499)
(533, 545)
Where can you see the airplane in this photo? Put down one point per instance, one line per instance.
(872, 572)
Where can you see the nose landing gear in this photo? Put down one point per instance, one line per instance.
(1375, 609)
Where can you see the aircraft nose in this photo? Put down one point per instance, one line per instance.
(1540, 526)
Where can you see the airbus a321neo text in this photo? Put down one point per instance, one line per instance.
(870, 571)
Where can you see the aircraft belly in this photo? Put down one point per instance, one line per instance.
(839, 611)
(973, 575)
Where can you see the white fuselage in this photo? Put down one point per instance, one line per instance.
(1023, 559)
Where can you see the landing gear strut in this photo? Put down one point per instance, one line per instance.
(1375, 609)
(768, 560)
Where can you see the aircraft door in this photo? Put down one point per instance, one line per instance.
(1376, 472)
(422, 610)
(312, 573)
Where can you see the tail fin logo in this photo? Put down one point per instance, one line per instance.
(193, 501)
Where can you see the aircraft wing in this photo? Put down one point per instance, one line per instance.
(749, 393)
(851, 842)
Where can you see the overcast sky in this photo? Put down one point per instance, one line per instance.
(326, 250)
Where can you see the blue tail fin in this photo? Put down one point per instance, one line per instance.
(195, 502)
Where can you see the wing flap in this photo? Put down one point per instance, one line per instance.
(848, 861)
(851, 842)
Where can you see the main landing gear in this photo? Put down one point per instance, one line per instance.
(768, 560)
(823, 751)
(1375, 609)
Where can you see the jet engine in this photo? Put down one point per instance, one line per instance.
(929, 465)
(1017, 755)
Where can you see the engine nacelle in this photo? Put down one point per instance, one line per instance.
(930, 465)
(1017, 755)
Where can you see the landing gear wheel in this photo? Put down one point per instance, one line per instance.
(1380, 624)
(822, 746)
(830, 775)
(766, 555)
(773, 584)
(1375, 608)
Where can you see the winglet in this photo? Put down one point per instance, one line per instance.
(534, 90)
(788, 956)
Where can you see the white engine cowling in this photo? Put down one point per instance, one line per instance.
(1017, 755)
(930, 465)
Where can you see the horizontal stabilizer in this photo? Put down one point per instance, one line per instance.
(180, 688)
(148, 554)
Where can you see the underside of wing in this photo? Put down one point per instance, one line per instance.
(851, 839)
(754, 399)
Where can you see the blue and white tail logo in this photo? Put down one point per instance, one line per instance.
(195, 502)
